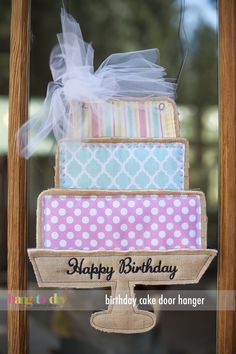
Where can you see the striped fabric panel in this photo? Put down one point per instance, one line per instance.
(132, 119)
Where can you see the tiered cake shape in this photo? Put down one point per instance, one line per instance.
(121, 214)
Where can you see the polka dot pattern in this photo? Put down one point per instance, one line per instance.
(122, 222)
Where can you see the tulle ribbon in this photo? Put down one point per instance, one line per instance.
(131, 74)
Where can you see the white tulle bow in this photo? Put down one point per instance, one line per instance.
(131, 74)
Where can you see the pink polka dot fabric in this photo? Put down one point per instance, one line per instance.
(121, 222)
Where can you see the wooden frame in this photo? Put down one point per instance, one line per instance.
(18, 114)
(17, 276)
(226, 320)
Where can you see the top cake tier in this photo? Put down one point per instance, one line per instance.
(129, 118)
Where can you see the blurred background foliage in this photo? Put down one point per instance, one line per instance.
(117, 26)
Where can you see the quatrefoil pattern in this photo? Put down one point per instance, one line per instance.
(122, 166)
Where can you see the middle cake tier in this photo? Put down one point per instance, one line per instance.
(123, 164)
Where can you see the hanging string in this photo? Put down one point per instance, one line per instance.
(183, 40)
(66, 5)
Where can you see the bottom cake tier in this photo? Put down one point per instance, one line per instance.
(99, 220)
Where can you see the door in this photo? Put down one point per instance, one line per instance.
(18, 331)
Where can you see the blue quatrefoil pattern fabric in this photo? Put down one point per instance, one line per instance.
(117, 166)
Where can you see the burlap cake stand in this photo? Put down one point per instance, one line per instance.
(52, 266)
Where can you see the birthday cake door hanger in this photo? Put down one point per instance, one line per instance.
(127, 242)
(121, 214)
